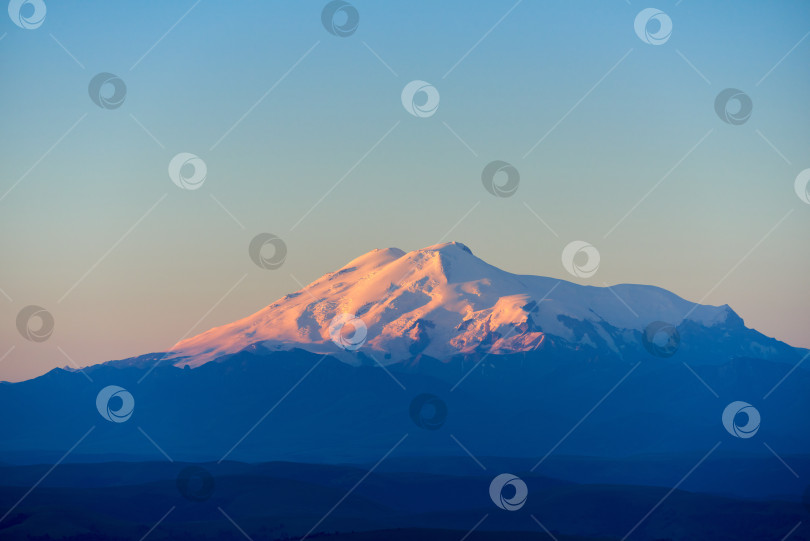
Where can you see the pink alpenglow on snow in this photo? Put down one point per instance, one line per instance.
(439, 301)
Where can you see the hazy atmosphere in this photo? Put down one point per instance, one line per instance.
(304, 135)
(349, 270)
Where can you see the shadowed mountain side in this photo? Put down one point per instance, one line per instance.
(509, 406)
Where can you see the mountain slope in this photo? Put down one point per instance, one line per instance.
(443, 301)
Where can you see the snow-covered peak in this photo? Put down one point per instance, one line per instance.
(441, 301)
(373, 259)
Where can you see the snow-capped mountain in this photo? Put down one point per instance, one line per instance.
(443, 301)
(533, 355)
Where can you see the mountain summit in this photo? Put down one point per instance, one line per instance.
(443, 301)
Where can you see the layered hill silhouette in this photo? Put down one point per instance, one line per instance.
(284, 501)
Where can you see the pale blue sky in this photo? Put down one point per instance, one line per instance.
(615, 114)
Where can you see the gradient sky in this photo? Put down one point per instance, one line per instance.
(542, 72)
